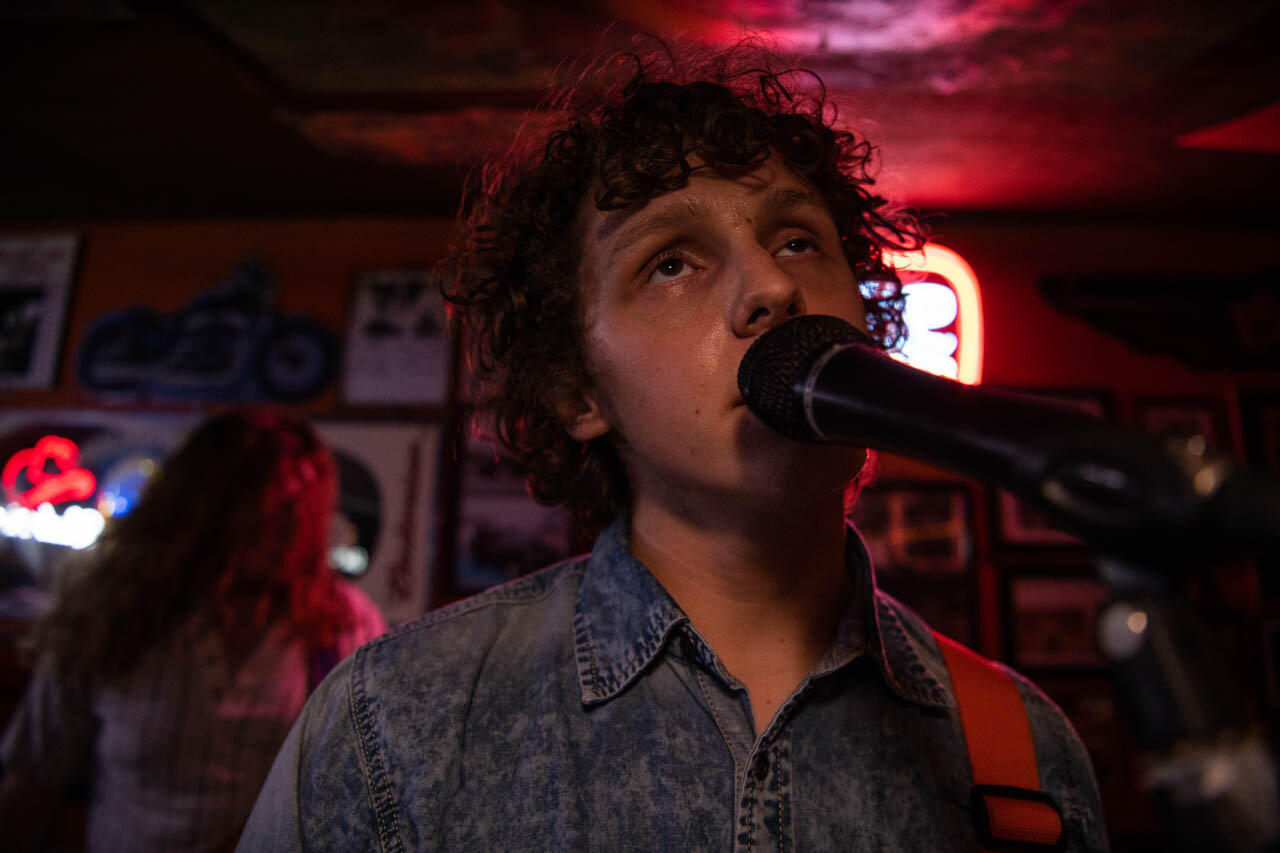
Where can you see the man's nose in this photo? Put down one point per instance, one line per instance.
(766, 295)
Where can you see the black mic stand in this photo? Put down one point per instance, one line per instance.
(1206, 767)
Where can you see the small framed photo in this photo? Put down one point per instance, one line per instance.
(1051, 619)
(36, 275)
(1260, 416)
(1271, 659)
(920, 538)
(396, 349)
(383, 533)
(502, 532)
(1186, 418)
(1017, 523)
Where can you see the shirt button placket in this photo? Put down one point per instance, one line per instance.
(760, 769)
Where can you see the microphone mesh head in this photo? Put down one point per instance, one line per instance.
(779, 360)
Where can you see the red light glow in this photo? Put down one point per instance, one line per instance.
(67, 483)
(949, 266)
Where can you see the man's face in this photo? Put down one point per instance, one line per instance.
(674, 293)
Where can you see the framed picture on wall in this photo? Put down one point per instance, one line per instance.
(1271, 660)
(1260, 417)
(383, 529)
(1017, 523)
(502, 532)
(920, 538)
(36, 275)
(396, 350)
(1051, 617)
(1202, 416)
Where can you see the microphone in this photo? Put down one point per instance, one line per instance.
(817, 378)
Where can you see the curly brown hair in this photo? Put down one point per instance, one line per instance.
(236, 521)
(629, 131)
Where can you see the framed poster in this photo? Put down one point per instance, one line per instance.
(396, 351)
(383, 531)
(1019, 524)
(1260, 414)
(36, 274)
(1051, 619)
(1271, 660)
(920, 539)
(1186, 418)
(502, 532)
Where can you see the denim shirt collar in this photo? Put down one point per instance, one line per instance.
(623, 618)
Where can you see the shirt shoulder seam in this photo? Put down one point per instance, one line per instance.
(384, 807)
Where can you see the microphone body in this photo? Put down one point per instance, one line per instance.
(1128, 495)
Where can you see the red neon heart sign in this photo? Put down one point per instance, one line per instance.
(69, 483)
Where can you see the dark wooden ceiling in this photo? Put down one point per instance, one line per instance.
(1080, 108)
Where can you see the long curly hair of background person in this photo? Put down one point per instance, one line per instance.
(630, 130)
(236, 521)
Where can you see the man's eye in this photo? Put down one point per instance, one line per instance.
(668, 269)
(798, 246)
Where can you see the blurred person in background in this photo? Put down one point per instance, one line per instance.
(175, 660)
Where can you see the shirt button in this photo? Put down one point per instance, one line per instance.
(687, 648)
(761, 769)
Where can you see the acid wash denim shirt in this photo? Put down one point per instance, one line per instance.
(577, 709)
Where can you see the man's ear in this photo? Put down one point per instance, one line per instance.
(580, 415)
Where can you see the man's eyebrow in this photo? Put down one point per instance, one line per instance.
(782, 199)
(624, 227)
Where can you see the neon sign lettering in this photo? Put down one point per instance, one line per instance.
(68, 484)
(944, 320)
(76, 527)
(52, 474)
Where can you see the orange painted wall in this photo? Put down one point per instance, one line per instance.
(165, 264)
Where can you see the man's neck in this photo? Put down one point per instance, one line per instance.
(767, 595)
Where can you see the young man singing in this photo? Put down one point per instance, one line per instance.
(721, 671)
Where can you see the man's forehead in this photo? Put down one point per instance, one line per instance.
(772, 187)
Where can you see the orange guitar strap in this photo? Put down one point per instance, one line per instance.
(1010, 811)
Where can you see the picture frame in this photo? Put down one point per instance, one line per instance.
(1186, 417)
(920, 539)
(1260, 418)
(502, 533)
(1271, 660)
(1018, 524)
(397, 350)
(37, 272)
(387, 496)
(1050, 620)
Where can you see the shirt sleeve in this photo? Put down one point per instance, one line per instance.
(317, 795)
(51, 735)
(1066, 772)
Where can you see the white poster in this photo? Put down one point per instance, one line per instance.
(396, 351)
(386, 505)
(35, 281)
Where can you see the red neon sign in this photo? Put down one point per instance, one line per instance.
(949, 266)
(68, 482)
